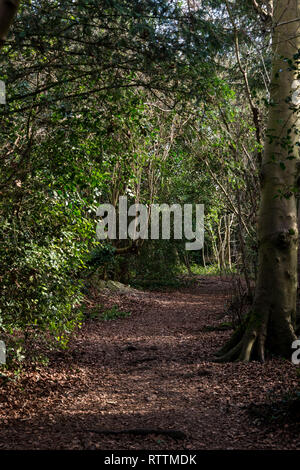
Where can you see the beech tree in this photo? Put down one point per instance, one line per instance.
(8, 9)
(271, 321)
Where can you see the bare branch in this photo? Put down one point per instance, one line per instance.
(288, 22)
(264, 14)
(254, 109)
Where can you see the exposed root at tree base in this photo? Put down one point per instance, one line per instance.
(249, 341)
(175, 434)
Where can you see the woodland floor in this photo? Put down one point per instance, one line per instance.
(152, 370)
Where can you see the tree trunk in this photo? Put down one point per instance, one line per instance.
(271, 322)
(187, 263)
(8, 9)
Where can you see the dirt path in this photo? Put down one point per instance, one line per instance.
(153, 370)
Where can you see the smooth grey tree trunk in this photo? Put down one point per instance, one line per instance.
(271, 322)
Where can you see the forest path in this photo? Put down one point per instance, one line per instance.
(151, 370)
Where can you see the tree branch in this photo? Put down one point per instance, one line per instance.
(254, 109)
(265, 15)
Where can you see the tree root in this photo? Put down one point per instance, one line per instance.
(233, 341)
(244, 349)
(247, 341)
(175, 434)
